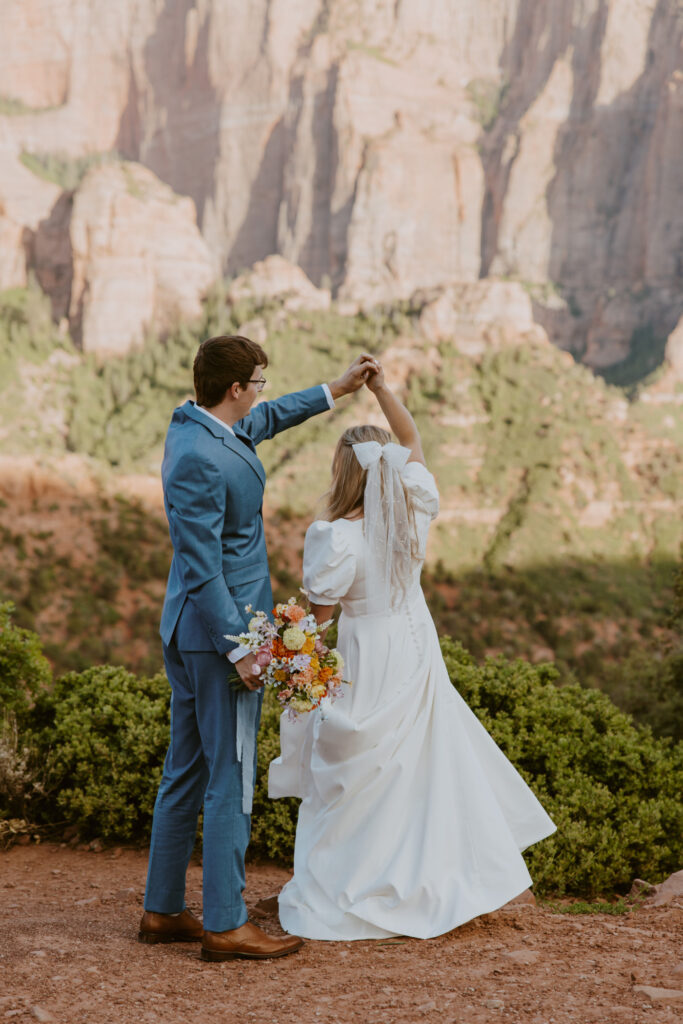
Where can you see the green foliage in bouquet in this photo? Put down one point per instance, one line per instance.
(612, 789)
(103, 734)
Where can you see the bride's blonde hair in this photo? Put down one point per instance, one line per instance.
(347, 489)
(348, 476)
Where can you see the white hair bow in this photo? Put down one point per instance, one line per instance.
(370, 452)
(387, 523)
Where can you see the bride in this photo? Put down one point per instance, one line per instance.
(412, 819)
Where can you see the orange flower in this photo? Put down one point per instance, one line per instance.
(294, 613)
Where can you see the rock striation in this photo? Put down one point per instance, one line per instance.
(138, 258)
(383, 147)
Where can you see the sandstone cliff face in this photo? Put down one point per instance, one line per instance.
(383, 146)
(138, 258)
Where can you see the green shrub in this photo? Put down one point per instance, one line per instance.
(487, 97)
(103, 734)
(273, 823)
(23, 672)
(648, 686)
(62, 169)
(611, 788)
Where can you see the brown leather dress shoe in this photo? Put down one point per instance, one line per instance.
(247, 942)
(183, 927)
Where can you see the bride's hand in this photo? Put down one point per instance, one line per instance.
(375, 380)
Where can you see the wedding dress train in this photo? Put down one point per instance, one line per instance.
(412, 819)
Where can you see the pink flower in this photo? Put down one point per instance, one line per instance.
(263, 657)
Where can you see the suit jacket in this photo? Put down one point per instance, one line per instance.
(213, 491)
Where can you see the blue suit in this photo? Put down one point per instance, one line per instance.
(213, 490)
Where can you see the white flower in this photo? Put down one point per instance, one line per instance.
(293, 638)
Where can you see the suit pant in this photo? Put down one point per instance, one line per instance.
(201, 767)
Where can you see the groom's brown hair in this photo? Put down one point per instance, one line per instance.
(223, 361)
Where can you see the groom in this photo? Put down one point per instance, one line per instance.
(213, 490)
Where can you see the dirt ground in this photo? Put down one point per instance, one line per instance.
(68, 953)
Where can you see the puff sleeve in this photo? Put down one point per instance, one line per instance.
(329, 563)
(422, 488)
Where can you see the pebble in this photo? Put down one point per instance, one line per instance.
(42, 1015)
(495, 1004)
(658, 993)
(523, 956)
(426, 1007)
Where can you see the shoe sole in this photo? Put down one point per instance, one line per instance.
(152, 938)
(219, 956)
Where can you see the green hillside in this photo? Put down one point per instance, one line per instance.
(560, 526)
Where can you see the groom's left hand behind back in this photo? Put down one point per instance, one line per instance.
(356, 375)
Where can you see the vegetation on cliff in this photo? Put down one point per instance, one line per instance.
(557, 539)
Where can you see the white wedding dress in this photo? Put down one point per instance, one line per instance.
(412, 819)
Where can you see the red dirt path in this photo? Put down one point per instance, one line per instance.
(68, 953)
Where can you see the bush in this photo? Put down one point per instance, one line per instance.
(612, 789)
(103, 734)
(23, 672)
(650, 688)
(273, 821)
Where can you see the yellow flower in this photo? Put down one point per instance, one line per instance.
(318, 691)
(294, 638)
(300, 704)
(280, 675)
(308, 645)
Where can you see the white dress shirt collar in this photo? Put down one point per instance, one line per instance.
(215, 418)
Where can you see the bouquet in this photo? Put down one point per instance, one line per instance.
(292, 656)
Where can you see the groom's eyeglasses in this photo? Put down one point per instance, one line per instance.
(260, 382)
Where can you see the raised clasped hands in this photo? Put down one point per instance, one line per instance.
(375, 379)
(363, 367)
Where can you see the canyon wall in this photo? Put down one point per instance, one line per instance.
(383, 146)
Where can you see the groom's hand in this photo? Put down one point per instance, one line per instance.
(245, 669)
(356, 375)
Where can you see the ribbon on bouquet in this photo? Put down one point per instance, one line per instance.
(248, 702)
(387, 526)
